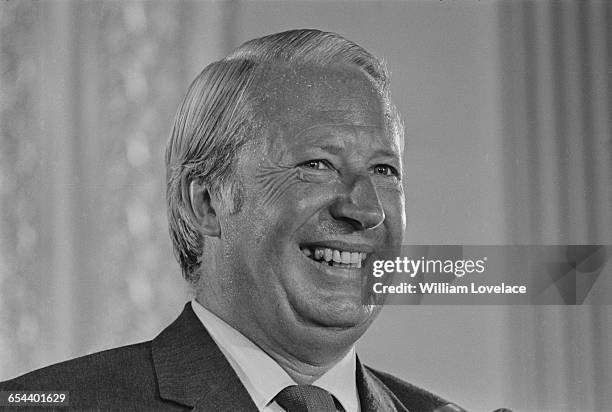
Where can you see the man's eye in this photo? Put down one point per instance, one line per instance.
(316, 164)
(385, 170)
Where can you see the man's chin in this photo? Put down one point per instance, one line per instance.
(338, 316)
(325, 333)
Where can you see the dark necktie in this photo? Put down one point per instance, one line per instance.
(305, 398)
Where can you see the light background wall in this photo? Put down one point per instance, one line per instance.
(507, 114)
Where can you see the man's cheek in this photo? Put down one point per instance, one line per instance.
(393, 203)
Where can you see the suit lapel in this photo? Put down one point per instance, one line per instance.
(374, 396)
(192, 371)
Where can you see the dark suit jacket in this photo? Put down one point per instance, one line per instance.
(182, 368)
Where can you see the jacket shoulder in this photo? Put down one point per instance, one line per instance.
(97, 379)
(106, 367)
(408, 394)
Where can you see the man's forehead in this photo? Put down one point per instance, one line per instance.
(282, 82)
(303, 101)
(336, 138)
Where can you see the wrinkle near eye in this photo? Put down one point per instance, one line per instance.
(274, 181)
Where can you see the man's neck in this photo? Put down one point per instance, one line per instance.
(302, 372)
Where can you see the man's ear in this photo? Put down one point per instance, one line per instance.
(200, 207)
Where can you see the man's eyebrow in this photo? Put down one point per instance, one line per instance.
(325, 147)
(338, 149)
(386, 153)
(330, 148)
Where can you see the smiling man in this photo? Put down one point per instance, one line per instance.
(284, 174)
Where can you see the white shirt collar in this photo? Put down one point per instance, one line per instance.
(262, 377)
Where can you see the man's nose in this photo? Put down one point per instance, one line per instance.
(360, 206)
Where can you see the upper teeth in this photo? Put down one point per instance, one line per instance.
(335, 255)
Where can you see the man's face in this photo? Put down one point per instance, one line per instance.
(320, 195)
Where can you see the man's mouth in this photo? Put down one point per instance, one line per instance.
(335, 257)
